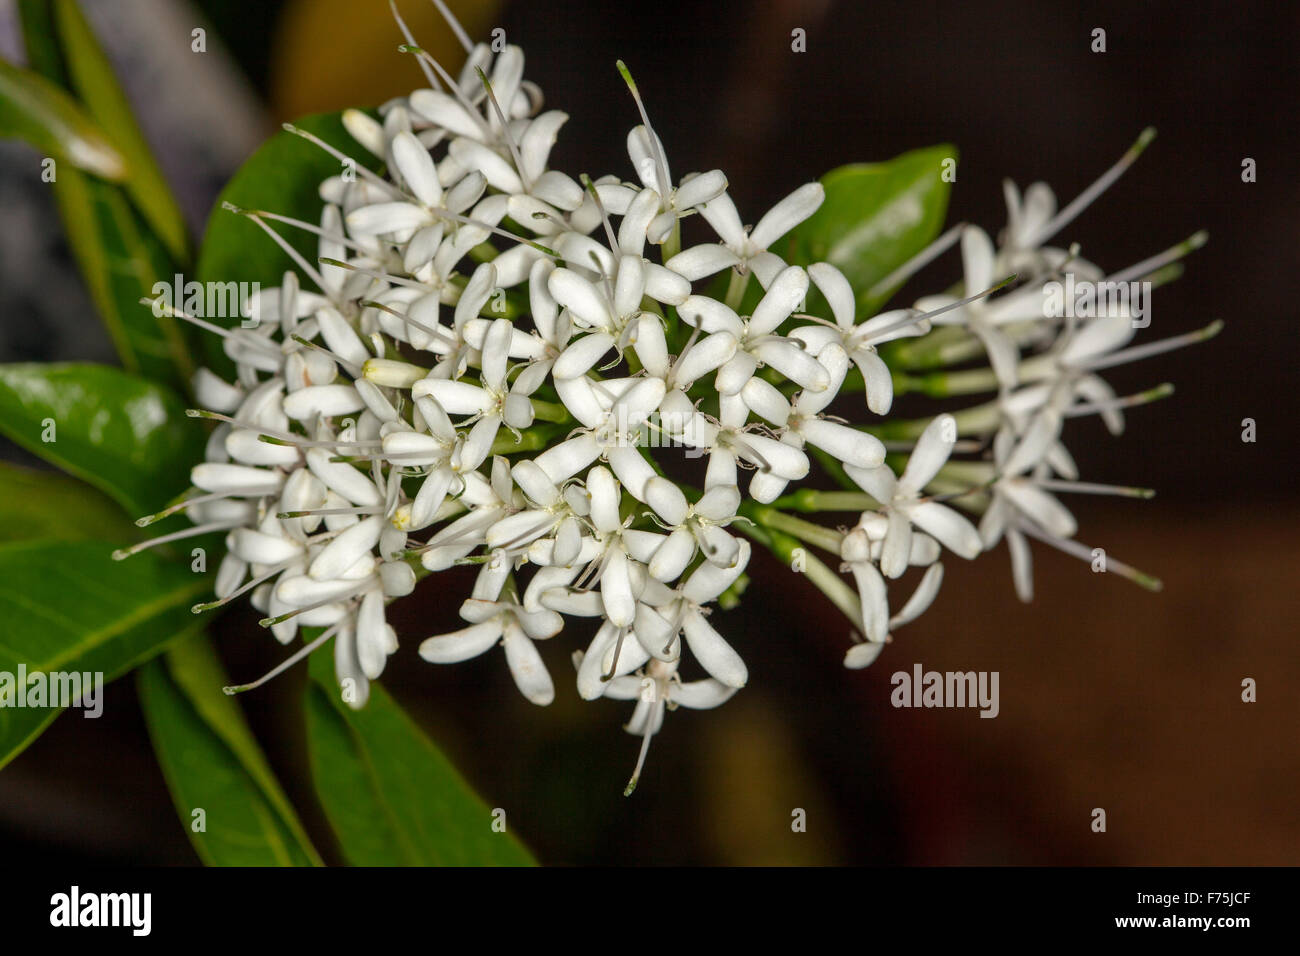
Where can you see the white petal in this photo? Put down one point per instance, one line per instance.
(931, 452)
(461, 645)
(787, 214)
(699, 262)
(526, 667)
(952, 530)
(416, 168)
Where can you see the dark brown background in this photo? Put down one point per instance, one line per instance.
(1110, 697)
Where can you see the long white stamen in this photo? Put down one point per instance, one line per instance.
(470, 106)
(284, 244)
(1128, 401)
(918, 261)
(1092, 488)
(324, 602)
(645, 749)
(661, 164)
(1147, 266)
(437, 333)
(1084, 553)
(246, 587)
(121, 554)
(1153, 348)
(349, 366)
(343, 157)
(456, 28)
(284, 666)
(505, 132)
(178, 506)
(406, 34)
(314, 229)
(1085, 198)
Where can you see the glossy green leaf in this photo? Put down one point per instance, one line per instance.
(121, 262)
(391, 796)
(126, 436)
(213, 764)
(36, 111)
(283, 177)
(91, 77)
(46, 504)
(69, 607)
(876, 216)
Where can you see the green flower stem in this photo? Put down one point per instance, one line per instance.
(805, 531)
(550, 412)
(834, 469)
(976, 420)
(792, 554)
(483, 252)
(812, 500)
(673, 244)
(530, 439)
(927, 351)
(736, 289)
(965, 382)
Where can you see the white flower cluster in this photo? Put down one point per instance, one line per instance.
(494, 351)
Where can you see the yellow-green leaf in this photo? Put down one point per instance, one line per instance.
(92, 78)
(35, 110)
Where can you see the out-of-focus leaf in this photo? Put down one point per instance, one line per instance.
(120, 257)
(876, 216)
(37, 111)
(391, 796)
(45, 504)
(213, 764)
(126, 436)
(121, 262)
(92, 78)
(67, 606)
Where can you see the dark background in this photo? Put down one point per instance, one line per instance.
(1111, 697)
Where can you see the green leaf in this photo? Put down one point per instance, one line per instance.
(122, 261)
(44, 504)
(120, 258)
(391, 796)
(91, 76)
(876, 216)
(68, 606)
(212, 762)
(127, 437)
(283, 177)
(35, 110)
(39, 41)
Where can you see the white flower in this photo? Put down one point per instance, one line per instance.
(756, 341)
(904, 507)
(858, 341)
(659, 689)
(515, 628)
(744, 250)
(982, 319)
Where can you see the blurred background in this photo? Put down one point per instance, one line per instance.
(1110, 697)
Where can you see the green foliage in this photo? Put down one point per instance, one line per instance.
(876, 217)
(391, 796)
(213, 765)
(126, 436)
(68, 606)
